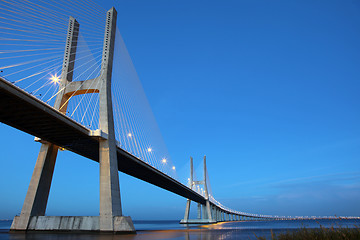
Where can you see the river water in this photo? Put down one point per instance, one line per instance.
(174, 230)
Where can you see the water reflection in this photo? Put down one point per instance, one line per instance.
(228, 230)
(148, 235)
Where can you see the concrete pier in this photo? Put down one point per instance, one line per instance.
(110, 219)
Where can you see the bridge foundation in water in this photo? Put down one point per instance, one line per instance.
(32, 217)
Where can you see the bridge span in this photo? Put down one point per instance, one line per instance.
(25, 112)
(51, 127)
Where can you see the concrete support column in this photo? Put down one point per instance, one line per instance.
(208, 206)
(39, 188)
(188, 202)
(187, 211)
(110, 202)
(199, 211)
(204, 212)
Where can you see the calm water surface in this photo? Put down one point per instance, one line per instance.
(174, 230)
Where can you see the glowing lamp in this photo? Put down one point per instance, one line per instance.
(55, 78)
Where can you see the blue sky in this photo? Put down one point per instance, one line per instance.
(268, 90)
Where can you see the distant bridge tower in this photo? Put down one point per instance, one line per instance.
(205, 214)
(32, 215)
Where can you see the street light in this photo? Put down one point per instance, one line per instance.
(55, 79)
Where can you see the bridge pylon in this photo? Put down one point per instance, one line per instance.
(32, 215)
(205, 213)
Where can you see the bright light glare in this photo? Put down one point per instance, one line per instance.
(149, 149)
(55, 78)
(163, 160)
(129, 134)
(173, 168)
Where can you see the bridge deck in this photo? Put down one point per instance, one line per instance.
(27, 113)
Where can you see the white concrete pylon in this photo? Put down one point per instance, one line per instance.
(110, 218)
(208, 212)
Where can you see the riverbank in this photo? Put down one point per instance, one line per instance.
(322, 233)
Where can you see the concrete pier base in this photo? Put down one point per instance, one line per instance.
(121, 224)
(197, 221)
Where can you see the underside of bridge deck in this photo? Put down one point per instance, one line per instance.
(26, 113)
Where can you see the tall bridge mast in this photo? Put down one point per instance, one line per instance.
(32, 215)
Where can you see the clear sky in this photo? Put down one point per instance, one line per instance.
(267, 90)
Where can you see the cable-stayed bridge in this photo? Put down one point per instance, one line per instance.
(78, 99)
